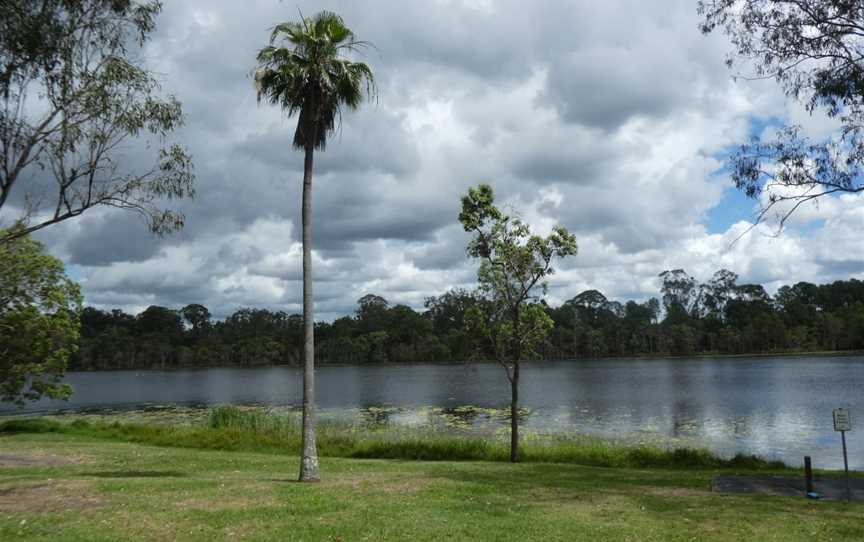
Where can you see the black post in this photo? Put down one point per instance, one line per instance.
(846, 467)
(808, 475)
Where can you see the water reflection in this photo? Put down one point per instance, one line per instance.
(776, 407)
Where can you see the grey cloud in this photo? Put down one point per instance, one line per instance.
(840, 269)
(646, 67)
(553, 158)
(606, 88)
(355, 208)
(447, 252)
(345, 225)
(113, 237)
(373, 140)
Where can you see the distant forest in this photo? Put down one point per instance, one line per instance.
(717, 317)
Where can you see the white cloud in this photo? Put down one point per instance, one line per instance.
(610, 118)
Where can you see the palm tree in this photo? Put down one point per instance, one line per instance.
(304, 71)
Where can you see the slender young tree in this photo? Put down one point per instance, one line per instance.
(509, 322)
(304, 70)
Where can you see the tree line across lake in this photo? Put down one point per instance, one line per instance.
(719, 316)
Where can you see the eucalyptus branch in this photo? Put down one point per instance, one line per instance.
(97, 98)
(815, 51)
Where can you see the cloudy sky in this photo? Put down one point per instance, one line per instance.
(611, 118)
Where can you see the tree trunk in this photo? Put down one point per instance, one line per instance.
(514, 386)
(309, 457)
(514, 414)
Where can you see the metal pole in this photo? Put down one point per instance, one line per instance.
(846, 466)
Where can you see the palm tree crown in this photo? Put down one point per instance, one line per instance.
(303, 70)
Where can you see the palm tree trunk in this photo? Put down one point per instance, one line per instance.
(309, 458)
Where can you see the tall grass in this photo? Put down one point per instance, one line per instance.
(280, 426)
(233, 428)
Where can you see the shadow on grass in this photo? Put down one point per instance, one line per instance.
(661, 496)
(136, 474)
(527, 476)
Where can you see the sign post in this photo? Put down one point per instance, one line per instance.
(843, 423)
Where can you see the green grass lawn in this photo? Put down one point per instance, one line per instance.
(58, 486)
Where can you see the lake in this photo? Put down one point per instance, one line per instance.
(774, 407)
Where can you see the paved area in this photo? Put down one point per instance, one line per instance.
(828, 488)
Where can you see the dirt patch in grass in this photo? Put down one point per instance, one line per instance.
(555, 495)
(49, 497)
(227, 498)
(225, 503)
(34, 459)
(383, 483)
(404, 486)
(675, 491)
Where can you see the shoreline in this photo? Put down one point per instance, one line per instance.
(441, 422)
(701, 356)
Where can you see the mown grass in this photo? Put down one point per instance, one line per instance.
(71, 487)
(239, 429)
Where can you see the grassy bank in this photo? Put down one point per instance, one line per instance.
(255, 430)
(71, 486)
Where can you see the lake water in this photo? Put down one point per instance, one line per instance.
(773, 407)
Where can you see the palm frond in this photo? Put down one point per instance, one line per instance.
(285, 31)
(303, 72)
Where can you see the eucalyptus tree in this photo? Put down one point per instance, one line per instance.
(73, 96)
(306, 71)
(680, 294)
(198, 317)
(814, 51)
(714, 296)
(509, 321)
